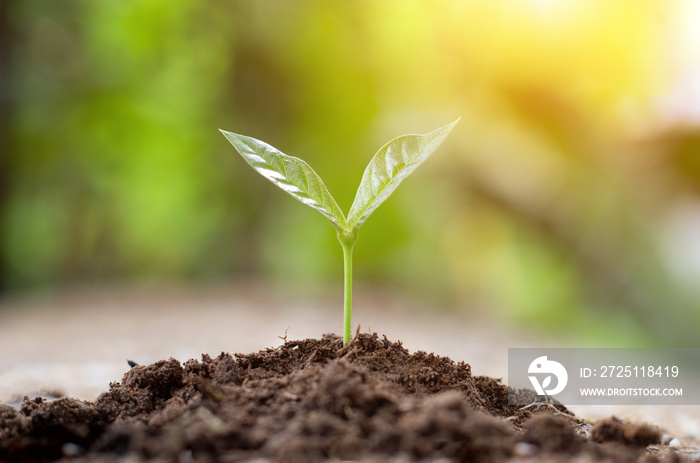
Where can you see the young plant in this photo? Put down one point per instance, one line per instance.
(392, 163)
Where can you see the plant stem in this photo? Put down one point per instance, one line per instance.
(347, 242)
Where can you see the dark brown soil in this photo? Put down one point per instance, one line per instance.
(314, 401)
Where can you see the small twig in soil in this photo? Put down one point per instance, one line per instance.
(311, 357)
(555, 410)
(344, 350)
(285, 335)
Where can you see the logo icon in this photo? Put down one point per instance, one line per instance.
(541, 366)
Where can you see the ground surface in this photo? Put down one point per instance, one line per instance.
(77, 345)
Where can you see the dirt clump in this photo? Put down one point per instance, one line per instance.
(635, 434)
(312, 401)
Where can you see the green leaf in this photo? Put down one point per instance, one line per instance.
(290, 174)
(392, 163)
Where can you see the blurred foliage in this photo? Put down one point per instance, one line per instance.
(567, 198)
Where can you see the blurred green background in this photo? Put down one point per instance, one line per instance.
(567, 198)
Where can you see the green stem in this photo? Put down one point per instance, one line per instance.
(347, 242)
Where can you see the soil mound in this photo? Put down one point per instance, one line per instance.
(313, 401)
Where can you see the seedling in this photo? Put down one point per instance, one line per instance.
(387, 169)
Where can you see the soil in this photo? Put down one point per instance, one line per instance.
(315, 401)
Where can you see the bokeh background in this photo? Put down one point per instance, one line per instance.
(566, 200)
